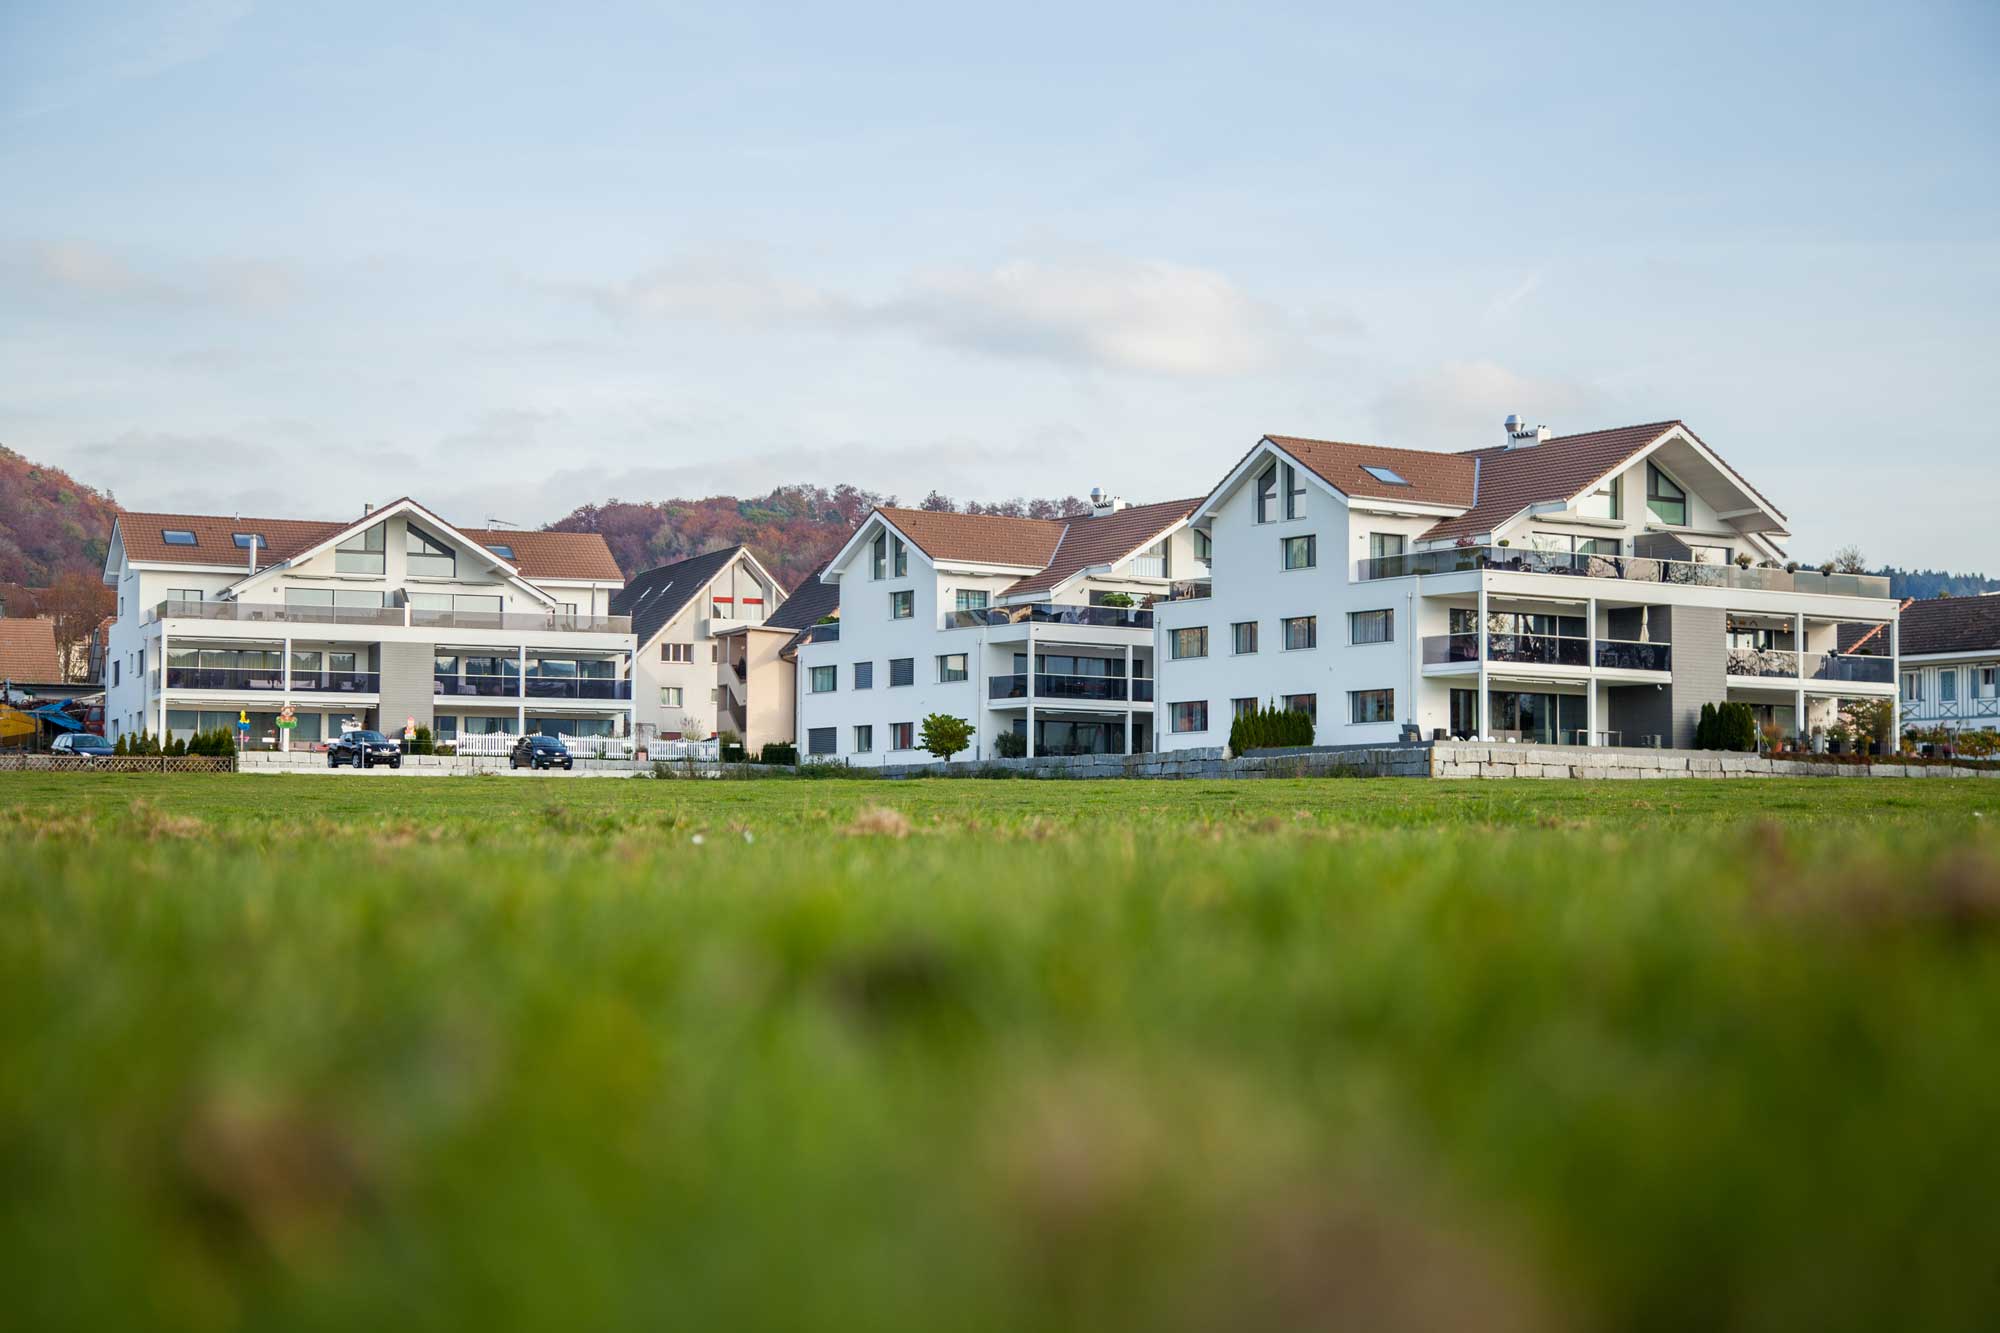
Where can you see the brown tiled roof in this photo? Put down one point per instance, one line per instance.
(28, 651)
(538, 555)
(989, 539)
(1950, 625)
(1437, 479)
(1555, 470)
(1102, 540)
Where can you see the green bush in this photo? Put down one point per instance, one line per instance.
(778, 752)
(1270, 728)
(1010, 745)
(424, 742)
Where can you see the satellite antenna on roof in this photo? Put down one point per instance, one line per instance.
(493, 522)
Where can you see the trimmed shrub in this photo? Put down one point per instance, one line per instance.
(1270, 728)
(778, 752)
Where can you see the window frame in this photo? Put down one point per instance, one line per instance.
(1264, 489)
(1295, 493)
(909, 670)
(359, 555)
(1310, 541)
(1655, 475)
(964, 669)
(832, 735)
(1174, 716)
(1354, 618)
(831, 676)
(1312, 633)
(903, 604)
(864, 738)
(863, 675)
(1311, 710)
(878, 558)
(905, 732)
(1354, 700)
(1236, 628)
(1174, 643)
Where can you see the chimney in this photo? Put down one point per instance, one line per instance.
(1520, 435)
(368, 506)
(1103, 503)
(252, 546)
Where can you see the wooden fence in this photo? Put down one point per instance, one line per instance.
(56, 763)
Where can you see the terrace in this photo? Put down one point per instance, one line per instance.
(1631, 569)
(260, 613)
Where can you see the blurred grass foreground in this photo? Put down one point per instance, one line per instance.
(437, 1054)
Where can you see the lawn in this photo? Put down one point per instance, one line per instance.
(313, 1052)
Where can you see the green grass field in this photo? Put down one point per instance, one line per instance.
(305, 1053)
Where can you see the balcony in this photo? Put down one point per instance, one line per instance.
(1147, 567)
(471, 685)
(1781, 662)
(1191, 590)
(1103, 689)
(1850, 669)
(1051, 613)
(482, 686)
(336, 682)
(1632, 569)
(1547, 650)
(277, 613)
(827, 633)
(226, 678)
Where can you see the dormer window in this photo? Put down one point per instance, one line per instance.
(425, 556)
(177, 537)
(1666, 500)
(1267, 494)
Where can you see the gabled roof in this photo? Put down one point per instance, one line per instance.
(1948, 625)
(655, 597)
(987, 539)
(1104, 540)
(1551, 472)
(1434, 479)
(811, 602)
(28, 651)
(537, 555)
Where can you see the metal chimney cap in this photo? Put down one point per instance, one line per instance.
(1513, 423)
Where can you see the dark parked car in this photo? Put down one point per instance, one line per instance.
(82, 745)
(540, 752)
(364, 749)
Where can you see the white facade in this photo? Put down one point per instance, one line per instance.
(1606, 644)
(919, 634)
(399, 617)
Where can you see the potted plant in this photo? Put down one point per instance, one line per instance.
(1743, 561)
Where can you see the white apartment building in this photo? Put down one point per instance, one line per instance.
(1951, 663)
(396, 616)
(1035, 628)
(679, 612)
(1598, 587)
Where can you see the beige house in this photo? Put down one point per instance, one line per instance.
(759, 669)
(683, 689)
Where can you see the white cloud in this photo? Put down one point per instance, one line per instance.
(1460, 405)
(1149, 316)
(74, 268)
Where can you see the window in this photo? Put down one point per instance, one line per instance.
(1987, 681)
(971, 599)
(243, 540)
(878, 557)
(1267, 494)
(1371, 706)
(1303, 703)
(1204, 548)
(1913, 686)
(115, 665)
(1667, 501)
(951, 668)
(677, 652)
(901, 559)
(1295, 493)
(902, 735)
(1371, 626)
(1243, 636)
(1301, 552)
(864, 675)
(1191, 716)
(1301, 632)
(1386, 475)
(370, 599)
(1242, 707)
(902, 671)
(864, 740)
(821, 740)
(177, 537)
(1948, 686)
(670, 696)
(184, 594)
(1191, 642)
(425, 556)
(824, 679)
(363, 552)
(902, 605)
(1382, 545)
(1607, 501)
(504, 552)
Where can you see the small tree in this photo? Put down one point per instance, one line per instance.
(1117, 599)
(944, 735)
(121, 747)
(1849, 560)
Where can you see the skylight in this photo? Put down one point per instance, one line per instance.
(504, 552)
(1383, 474)
(177, 536)
(243, 540)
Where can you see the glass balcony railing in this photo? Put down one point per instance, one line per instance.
(1191, 590)
(1052, 613)
(226, 678)
(337, 682)
(472, 685)
(286, 613)
(1636, 569)
(1106, 689)
(1547, 650)
(1762, 662)
(1007, 687)
(827, 633)
(509, 686)
(1850, 668)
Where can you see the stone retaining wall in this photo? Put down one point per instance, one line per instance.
(1410, 761)
(1466, 759)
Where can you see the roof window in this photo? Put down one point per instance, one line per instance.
(1385, 475)
(177, 536)
(504, 552)
(243, 540)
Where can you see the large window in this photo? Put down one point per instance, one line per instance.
(902, 735)
(1371, 626)
(971, 599)
(902, 671)
(1371, 706)
(901, 556)
(1301, 632)
(1204, 548)
(1267, 494)
(824, 679)
(951, 668)
(864, 675)
(821, 740)
(1191, 716)
(1301, 552)
(1607, 501)
(1191, 642)
(362, 553)
(878, 557)
(1295, 493)
(864, 740)
(1303, 703)
(1667, 501)
(184, 594)
(902, 605)
(1382, 545)
(426, 557)
(1244, 636)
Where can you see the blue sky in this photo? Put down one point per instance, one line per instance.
(511, 258)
